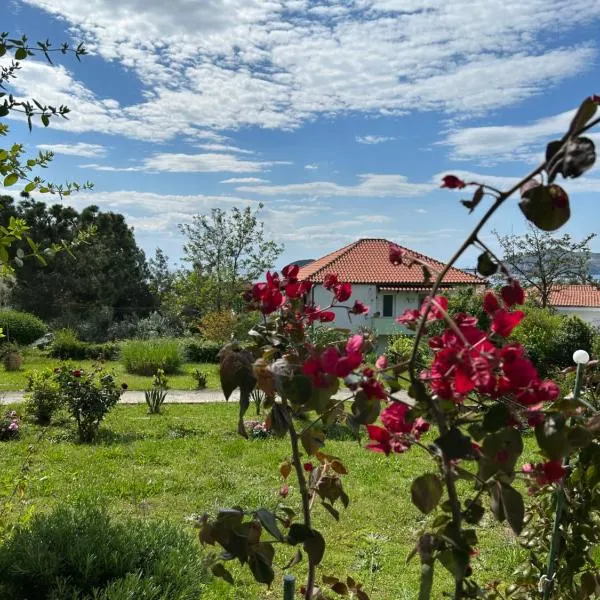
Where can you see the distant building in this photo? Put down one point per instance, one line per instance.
(387, 289)
(580, 300)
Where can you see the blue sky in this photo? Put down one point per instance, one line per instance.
(340, 117)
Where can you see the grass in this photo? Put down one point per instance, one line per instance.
(190, 460)
(17, 380)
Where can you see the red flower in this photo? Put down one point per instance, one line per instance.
(553, 470)
(409, 317)
(504, 322)
(359, 308)
(273, 280)
(290, 272)
(394, 418)
(76, 373)
(513, 293)
(354, 344)
(329, 360)
(490, 303)
(342, 291)
(381, 439)
(396, 254)
(381, 362)
(330, 280)
(308, 467)
(326, 316)
(452, 182)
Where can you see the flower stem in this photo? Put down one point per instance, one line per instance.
(305, 496)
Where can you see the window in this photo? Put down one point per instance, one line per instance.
(388, 305)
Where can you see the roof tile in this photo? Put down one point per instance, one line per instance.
(576, 295)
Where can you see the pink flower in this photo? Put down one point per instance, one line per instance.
(396, 254)
(354, 344)
(382, 362)
(359, 308)
(284, 491)
(504, 322)
(452, 182)
(342, 291)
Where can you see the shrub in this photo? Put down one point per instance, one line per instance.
(88, 395)
(201, 379)
(9, 426)
(21, 327)
(158, 325)
(320, 336)
(12, 359)
(202, 351)
(399, 349)
(145, 357)
(80, 552)
(67, 346)
(574, 334)
(156, 396)
(44, 398)
(218, 326)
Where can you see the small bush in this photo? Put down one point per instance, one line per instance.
(200, 378)
(21, 327)
(44, 397)
(156, 396)
(88, 395)
(574, 334)
(67, 346)
(218, 326)
(400, 347)
(12, 359)
(145, 357)
(158, 325)
(201, 351)
(9, 426)
(321, 336)
(82, 553)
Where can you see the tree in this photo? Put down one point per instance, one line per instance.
(161, 278)
(228, 250)
(106, 282)
(545, 261)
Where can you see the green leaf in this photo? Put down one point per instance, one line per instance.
(298, 533)
(579, 437)
(218, 570)
(501, 450)
(29, 187)
(365, 410)
(312, 440)
(496, 502)
(11, 179)
(340, 588)
(496, 418)
(296, 559)
(21, 54)
(2, 49)
(474, 513)
(45, 120)
(547, 207)
(334, 512)
(260, 561)
(485, 265)
(477, 197)
(297, 389)
(454, 444)
(514, 507)
(551, 436)
(269, 522)
(426, 492)
(456, 561)
(3, 154)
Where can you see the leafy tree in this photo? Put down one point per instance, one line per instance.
(228, 250)
(160, 278)
(545, 261)
(107, 281)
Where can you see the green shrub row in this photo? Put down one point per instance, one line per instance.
(146, 357)
(67, 346)
(81, 553)
(203, 351)
(21, 327)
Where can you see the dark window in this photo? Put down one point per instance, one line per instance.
(388, 305)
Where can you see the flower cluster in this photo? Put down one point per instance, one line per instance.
(257, 430)
(545, 473)
(468, 359)
(398, 431)
(9, 426)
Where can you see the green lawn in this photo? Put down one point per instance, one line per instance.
(190, 460)
(17, 380)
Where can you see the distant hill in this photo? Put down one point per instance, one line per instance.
(595, 265)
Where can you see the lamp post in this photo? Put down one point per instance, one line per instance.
(580, 358)
(289, 583)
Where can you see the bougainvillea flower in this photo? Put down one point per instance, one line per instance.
(380, 439)
(452, 182)
(513, 293)
(326, 316)
(330, 280)
(394, 418)
(342, 291)
(396, 254)
(409, 317)
(354, 344)
(490, 303)
(359, 308)
(504, 321)
(381, 362)
(290, 272)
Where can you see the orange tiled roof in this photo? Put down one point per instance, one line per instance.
(576, 295)
(367, 261)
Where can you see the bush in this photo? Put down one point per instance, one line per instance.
(200, 378)
(218, 326)
(44, 397)
(400, 347)
(201, 351)
(156, 396)
(9, 426)
(575, 334)
(80, 552)
(158, 325)
(12, 359)
(67, 346)
(21, 327)
(145, 357)
(321, 336)
(88, 395)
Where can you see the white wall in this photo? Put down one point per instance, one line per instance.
(589, 315)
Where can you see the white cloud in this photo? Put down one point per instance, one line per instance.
(245, 180)
(78, 149)
(371, 185)
(311, 167)
(421, 211)
(226, 64)
(109, 168)
(206, 163)
(373, 139)
(223, 148)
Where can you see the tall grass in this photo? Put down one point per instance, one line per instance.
(145, 357)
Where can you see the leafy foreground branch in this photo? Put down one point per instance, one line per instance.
(479, 393)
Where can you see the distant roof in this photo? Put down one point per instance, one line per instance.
(575, 295)
(367, 261)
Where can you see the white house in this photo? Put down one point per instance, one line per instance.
(386, 288)
(580, 300)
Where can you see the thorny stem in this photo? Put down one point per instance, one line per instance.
(438, 413)
(305, 496)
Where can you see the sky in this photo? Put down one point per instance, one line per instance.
(340, 117)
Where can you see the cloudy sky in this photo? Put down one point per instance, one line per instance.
(340, 116)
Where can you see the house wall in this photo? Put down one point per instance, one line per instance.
(589, 315)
